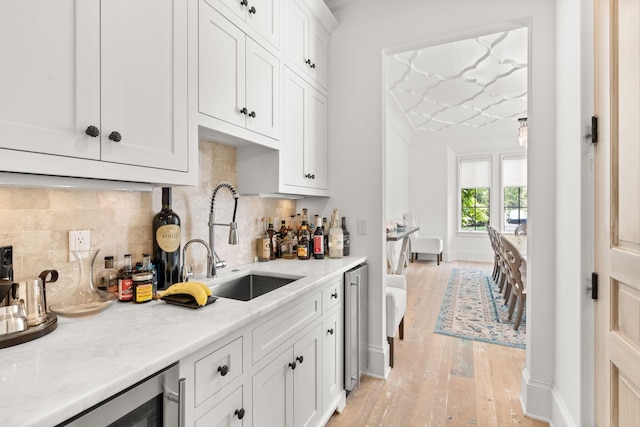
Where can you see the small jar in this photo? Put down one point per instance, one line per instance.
(142, 287)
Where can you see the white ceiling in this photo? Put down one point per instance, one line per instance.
(464, 86)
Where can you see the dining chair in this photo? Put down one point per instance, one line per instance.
(521, 230)
(496, 264)
(514, 278)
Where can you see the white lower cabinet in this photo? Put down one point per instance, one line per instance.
(283, 369)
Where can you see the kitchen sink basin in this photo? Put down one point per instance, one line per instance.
(251, 286)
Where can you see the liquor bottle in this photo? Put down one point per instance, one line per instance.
(281, 242)
(148, 267)
(263, 247)
(303, 242)
(335, 237)
(318, 240)
(166, 242)
(288, 248)
(108, 278)
(325, 230)
(273, 243)
(125, 280)
(346, 241)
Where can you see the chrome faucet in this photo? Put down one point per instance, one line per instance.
(185, 273)
(233, 226)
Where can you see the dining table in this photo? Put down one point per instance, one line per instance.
(395, 236)
(520, 243)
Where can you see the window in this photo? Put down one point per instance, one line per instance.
(475, 194)
(514, 186)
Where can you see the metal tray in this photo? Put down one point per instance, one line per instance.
(15, 338)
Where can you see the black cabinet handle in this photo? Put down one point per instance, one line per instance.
(330, 331)
(244, 3)
(244, 111)
(313, 65)
(240, 413)
(292, 365)
(92, 131)
(310, 64)
(310, 176)
(224, 370)
(252, 114)
(115, 136)
(252, 10)
(334, 295)
(300, 359)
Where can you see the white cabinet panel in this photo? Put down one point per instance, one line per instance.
(332, 357)
(316, 142)
(262, 90)
(229, 412)
(306, 379)
(272, 389)
(260, 16)
(49, 77)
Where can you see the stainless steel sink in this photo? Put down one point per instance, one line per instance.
(250, 286)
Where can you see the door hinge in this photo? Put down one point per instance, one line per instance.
(594, 129)
(594, 285)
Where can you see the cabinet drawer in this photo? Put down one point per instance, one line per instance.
(217, 369)
(332, 295)
(230, 410)
(277, 329)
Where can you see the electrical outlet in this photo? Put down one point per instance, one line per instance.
(79, 240)
(362, 225)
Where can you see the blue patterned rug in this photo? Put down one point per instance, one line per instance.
(473, 308)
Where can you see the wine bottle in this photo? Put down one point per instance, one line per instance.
(303, 242)
(263, 244)
(273, 240)
(318, 240)
(346, 240)
(335, 237)
(166, 243)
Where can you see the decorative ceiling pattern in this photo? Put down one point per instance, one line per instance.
(468, 84)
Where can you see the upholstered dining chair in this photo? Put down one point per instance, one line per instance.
(423, 243)
(514, 260)
(396, 300)
(521, 229)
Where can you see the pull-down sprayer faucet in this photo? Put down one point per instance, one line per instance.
(233, 226)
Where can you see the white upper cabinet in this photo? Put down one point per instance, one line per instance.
(98, 85)
(239, 80)
(306, 42)
(262, 17)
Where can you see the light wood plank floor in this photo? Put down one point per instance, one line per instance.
(439, 380)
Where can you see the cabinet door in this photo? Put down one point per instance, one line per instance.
(50, 76)
(315, 149)
(262, 90)
(229, 412)
(296, 35)
(319, 53)
(221, 67)
(264, 17)
(144, 82)
(293, 130)
(307, 396)
(332, 357)
(272, 393)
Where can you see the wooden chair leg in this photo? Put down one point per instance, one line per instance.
(512, 304)
(390, 340)
(402, 328)
(519, 315)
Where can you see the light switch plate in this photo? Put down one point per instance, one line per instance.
(79, 240)
(362, 225)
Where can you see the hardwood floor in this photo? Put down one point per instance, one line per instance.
(439, 380)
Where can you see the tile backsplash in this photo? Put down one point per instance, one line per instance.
(36, 222)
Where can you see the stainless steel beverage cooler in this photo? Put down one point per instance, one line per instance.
(355, 325)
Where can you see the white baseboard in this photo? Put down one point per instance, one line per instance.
(535, 398)
(378, 362)
(560, 416)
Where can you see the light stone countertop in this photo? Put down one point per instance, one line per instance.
(88, 359)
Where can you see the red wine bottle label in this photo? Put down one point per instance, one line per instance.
(168, 237)
(318, 244)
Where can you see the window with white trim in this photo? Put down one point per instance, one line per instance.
(514, 192)
(475, 193)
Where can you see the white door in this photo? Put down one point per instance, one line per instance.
(294, 102)
(272, 393)
(319, 41)
(617, 212)
(50, 76)
(144, 82)
(221, 68)
(264, 17)
(316, 141)
(306, 379)
(331, 357)
(262, 90)
(296, 35)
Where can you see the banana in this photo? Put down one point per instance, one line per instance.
(195, 289)
(203, 286)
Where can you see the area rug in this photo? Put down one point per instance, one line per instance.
(473, 308)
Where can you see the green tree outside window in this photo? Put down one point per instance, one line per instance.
(475, 209)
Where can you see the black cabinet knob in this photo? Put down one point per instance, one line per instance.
(224, 370)
(240, 413)
(252, 114)
(330, 331)
(244, 3)
(310, 176)
(334, 295)
(300, 359)
(313, 65)
(115, 136)
(92, 131)
(308, 62)
(244, 111)
(252, 10)
(292, 365)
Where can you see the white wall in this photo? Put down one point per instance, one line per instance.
(357, 128)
